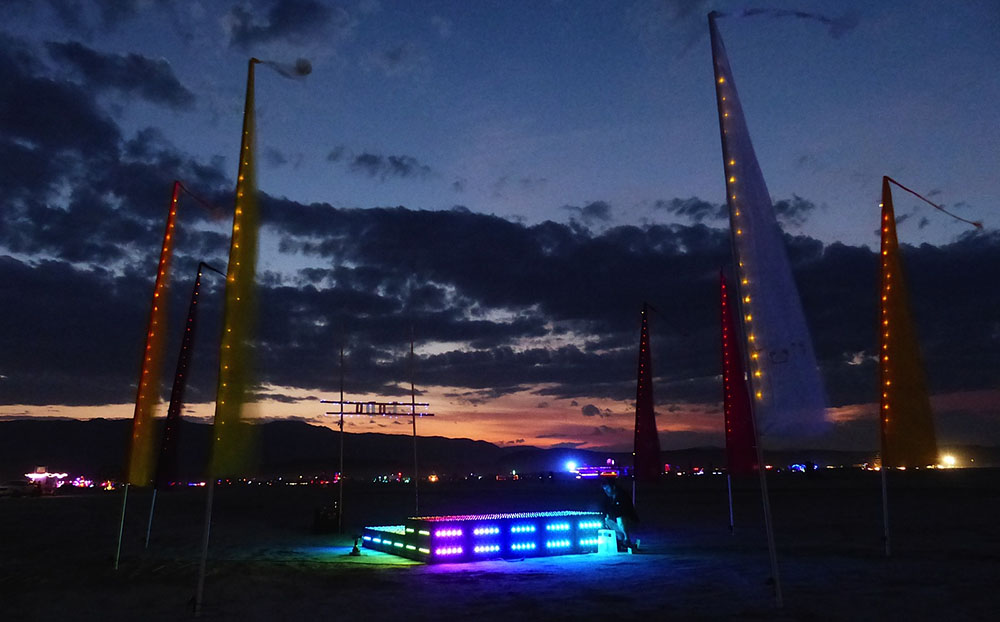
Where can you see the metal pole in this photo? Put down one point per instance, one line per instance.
(149, 526)
(729, 485)
(768, 524)
(204, 548)
(885, 511)
(340, 475)
(121, 527)
(413, 418)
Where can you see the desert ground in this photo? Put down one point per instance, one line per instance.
(266, 562)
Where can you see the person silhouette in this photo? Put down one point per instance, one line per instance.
(619, 515)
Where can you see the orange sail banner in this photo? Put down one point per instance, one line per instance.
(139, 464)
(907, 426)
(646, 456)
(741, 448)
(789, 402)
(230, 444)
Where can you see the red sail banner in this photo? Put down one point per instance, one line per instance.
(166, 467)
(647, 439)
(741, 452)
(139, 463)
(907, 426)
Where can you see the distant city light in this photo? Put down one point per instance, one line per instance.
(571, 466)
(948, 460)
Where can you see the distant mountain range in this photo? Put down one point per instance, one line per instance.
(96, 448)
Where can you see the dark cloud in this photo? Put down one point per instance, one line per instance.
(118, 12)
(66, 327)
(506, 297)
(597, 211)
(42, 113)
(74, 188)
(694, 209)
(76, 15)
(384, 167)
(133, 74)
(794, 211)
(601, 430)
(399, 59)
(336, 153)
(286, 20)
(372, 294)
(525, 184)
(274, 158)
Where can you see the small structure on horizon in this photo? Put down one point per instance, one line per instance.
(610, 469)
(47, 482)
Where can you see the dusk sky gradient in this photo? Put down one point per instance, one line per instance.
(512, 180)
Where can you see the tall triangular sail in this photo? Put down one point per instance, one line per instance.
(139, 463)
(230, 441)
(789, 400)
(907, 426)
(166, 467)
(647, 439)
(741, 449)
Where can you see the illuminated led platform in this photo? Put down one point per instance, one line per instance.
(488, 536)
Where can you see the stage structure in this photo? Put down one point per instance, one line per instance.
(646, 444)
(475, 537)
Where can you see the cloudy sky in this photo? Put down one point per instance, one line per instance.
(508, 180)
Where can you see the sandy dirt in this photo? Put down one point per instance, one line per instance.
(267, 563)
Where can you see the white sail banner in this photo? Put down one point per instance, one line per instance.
(787, 391)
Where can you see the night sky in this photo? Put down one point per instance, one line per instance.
(508, 180)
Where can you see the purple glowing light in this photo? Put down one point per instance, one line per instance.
(448, 533)
(448, 550)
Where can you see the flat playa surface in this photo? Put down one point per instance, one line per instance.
(266, 563)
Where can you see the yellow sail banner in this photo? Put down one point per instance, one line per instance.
(907, 425)
(139, 465)
(230, 437)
